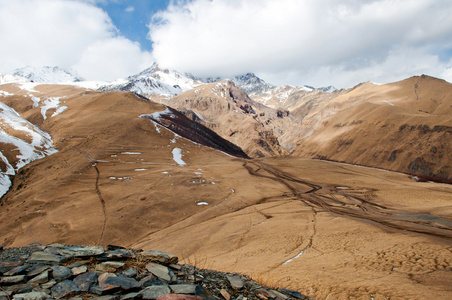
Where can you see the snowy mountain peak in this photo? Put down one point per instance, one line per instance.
(156, 80)
(48, 74)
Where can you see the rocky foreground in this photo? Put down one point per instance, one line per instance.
(91, 272)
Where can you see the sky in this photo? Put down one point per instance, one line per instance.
(298, 42)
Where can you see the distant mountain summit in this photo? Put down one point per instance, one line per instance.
(155, 80)
(48, 74)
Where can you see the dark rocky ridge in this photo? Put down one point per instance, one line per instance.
(183, 126)
(83, 272)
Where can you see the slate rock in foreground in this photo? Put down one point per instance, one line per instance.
(83, 272)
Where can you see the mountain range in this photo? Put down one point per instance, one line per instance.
(294, 186)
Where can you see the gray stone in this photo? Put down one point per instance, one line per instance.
(8, 280)
(124, 283)
(102, 290)
(131, 296)
(160, 271)
(48, 285)
(107, 297)
(32, 296)
(5, 294)
(235, 281)
(159, 256)
(130, 272)
(79, 270)
(76, 251)
(86, 280)
(61, 272)
(118, 254)
(37, 269)
(279, 295)
(40, 257)
(183, 288)
(292, 293)
(41, 278)
(109, 266)
(5, 266)
(152, 280)
(153, 292)
(64, 289)
(18, 288)
(17, 270)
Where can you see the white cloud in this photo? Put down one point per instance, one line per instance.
(130, 9)
(306, 42)
(113, 58)
(66, 34)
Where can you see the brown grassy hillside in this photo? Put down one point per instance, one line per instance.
(404, 126)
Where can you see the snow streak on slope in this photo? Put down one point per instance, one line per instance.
(52, 102)
(31, 142)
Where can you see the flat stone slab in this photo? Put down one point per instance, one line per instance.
(153, 292)
(32, 296)
(183, 288)
(40, 257)
(41, 278)
(8, 280)
(159, 256)
(65, 288)
(160, 271)
(124, 283)
(235, 281)
(109, 266)
(81, 251)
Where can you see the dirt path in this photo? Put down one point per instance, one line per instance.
(351, 203)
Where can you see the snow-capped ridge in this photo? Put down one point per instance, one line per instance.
(48, 74)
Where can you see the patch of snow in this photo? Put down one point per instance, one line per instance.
(342, 187)
(137, 170)
(173, 141)
(29, 86)
(9, 78)
(112, 177)
(388, 102)
(177, 157)
(5, 184)
(5, 93)
(35, 101)
(33, 145)
(157, 127)
(198, 173)
(202, 203)
(131, 153)
(298, 255)
(165, 172)
(113, 155)
(49, 103)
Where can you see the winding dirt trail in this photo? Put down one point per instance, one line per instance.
(350, 203)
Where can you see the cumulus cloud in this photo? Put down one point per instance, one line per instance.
(306, 42)
(69, 34)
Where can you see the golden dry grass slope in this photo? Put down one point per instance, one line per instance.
(404, 126)
(330, 230)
